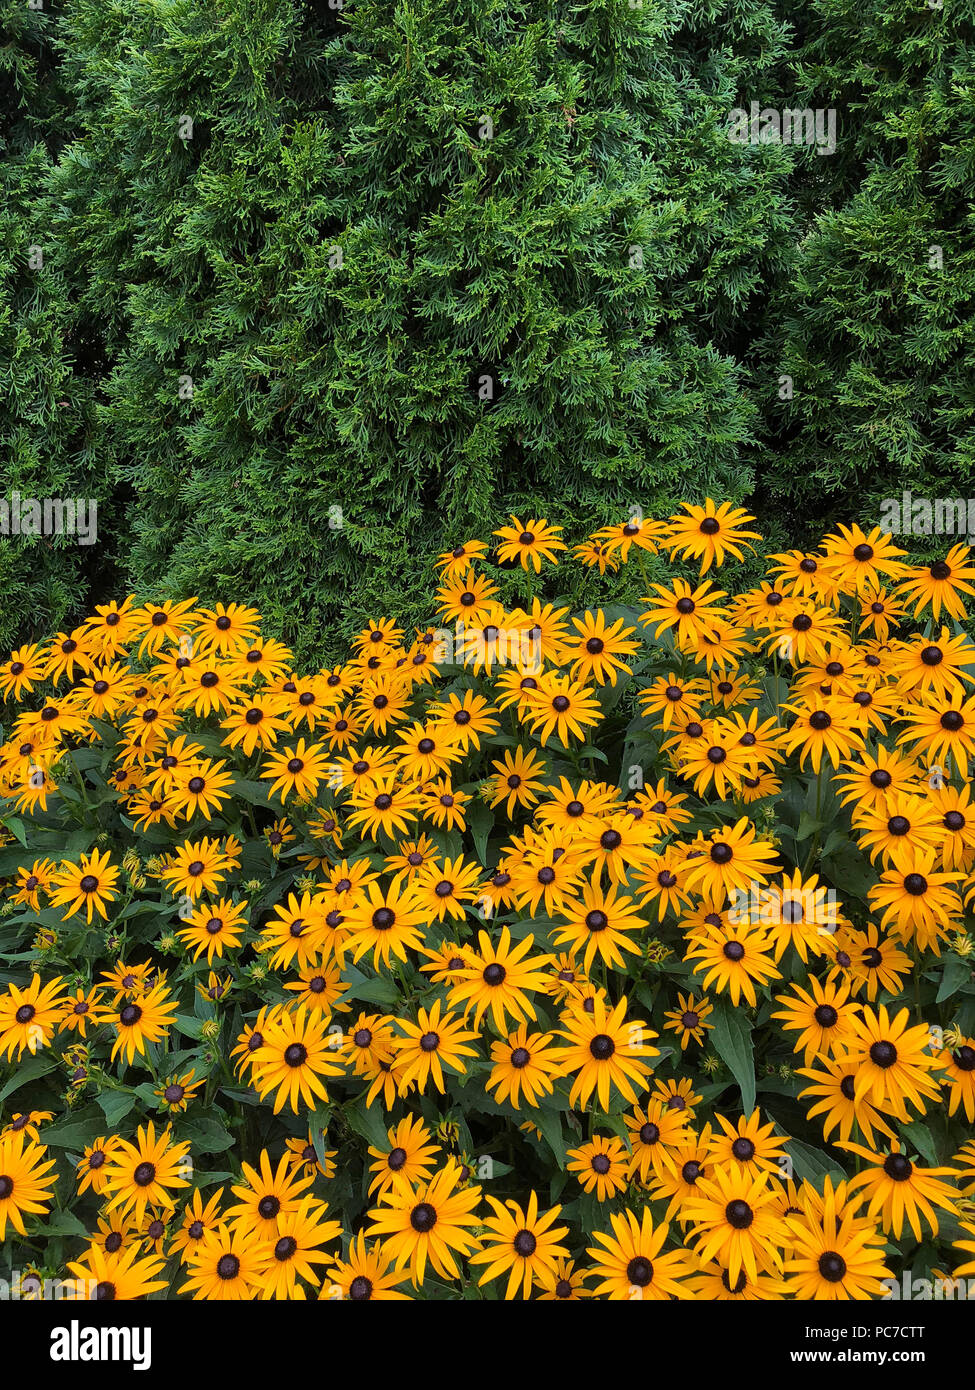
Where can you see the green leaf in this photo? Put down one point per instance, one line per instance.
(318, 1127)
(206, 1135)
(550, 1123)
(810, 1164)
(918, 1137)
(116, 1105)
(956, 973)
(16, 827)
(64, 1223)
(190, 1027)
(74, 1135)
(367, 1121)
(590, 750)
(480, 820)
(732, 1039)
(27, 1071)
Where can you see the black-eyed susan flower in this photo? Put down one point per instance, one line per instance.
(368, 1039)
(941, 728)
(302, 1155)
(176, 1092)
(407, 1161)
(633, 1264)
(933, 666)
(710, 533)
(940, 584)
(563, 1283)
(524, 1067)
(427, 749)
(601, 924)
(602, 1166)
(105, 1277)
(876, 963)
(672, 699)
(803, 630)
(227, 1265)
(320, 989)
(144, 1172)
(747, 1147)
(796, 911)
(894, 1188)
(366, 1273)
(821, 1015)
(464, 597)
(127, 979)
(66, 652)
(657, 1135)
(603, 1050)
(213, 927)
(713, 1285)
(385, 922)
(880, 611)
(87, 886)
(959, 1067)
(411, 855)
(225, 629)
(265, 1195)
(32, 882)
(500, 977)
(691, 612)
(142, 1020)
(385, 806)
(529, 543)
(90, 1169)
(295, 1054)
(196, 867)
(956, 813)
(24, 669)
(295, 932)
(858, 560)
(896, 833)
(26, 1174)
(296, 1250)
(562, 706)
(734, 1221)
(597, 650)
(689, 1019)
(733, 859)
(29, 1016)
(442, 890)
(436, 1040)
(460, 558)
(520, 1242)
(660, 881)
(834, 1089)
(874, 776)
(199, 1216)
(821, 729)
(296, 771)
(468, 715)
(894, 1065)
(917, 902)
(428, 1223)
(732, 959)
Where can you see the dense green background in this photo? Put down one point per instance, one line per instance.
(318, 386)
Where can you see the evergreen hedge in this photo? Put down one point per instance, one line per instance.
(327, 287)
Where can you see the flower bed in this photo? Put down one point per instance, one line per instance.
(620, 954)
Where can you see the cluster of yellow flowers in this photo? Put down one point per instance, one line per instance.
(430, 810)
